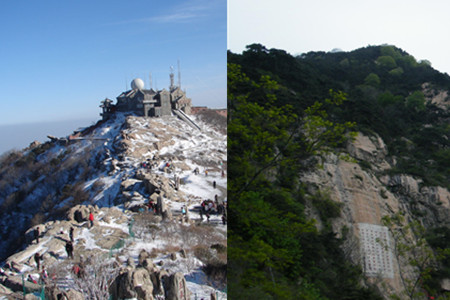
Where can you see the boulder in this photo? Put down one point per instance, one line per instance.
(106, 219)
(134, 283)
(167, 215)
(74, 295)
(149, 265)
(34, 144)
(143, 255)
(129, 184)
(175, 287)
(130, 262)
(445, 284)
(79, 213)
(157, 278)
(31, 297)
(183, 253)
(15, 283)
(4, 290)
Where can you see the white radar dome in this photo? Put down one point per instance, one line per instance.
(137, 84)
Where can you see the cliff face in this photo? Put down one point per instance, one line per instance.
(367, 194)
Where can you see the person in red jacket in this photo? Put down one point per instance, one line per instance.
(91, 219)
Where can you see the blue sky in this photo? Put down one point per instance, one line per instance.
(59, 59)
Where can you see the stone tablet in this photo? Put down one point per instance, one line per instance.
(376, 250)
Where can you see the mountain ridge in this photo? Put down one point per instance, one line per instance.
(107, 165)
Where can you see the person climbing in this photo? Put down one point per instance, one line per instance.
(31, 279)
(43, 275)
(223, 173)
(69, 249)
(37, 259)
(214, 184)
(37, 234)
(220, 209)
(91, 219)
(206, 172)
(71, 234)
(183, 211)
(224, 219)
(76, 270)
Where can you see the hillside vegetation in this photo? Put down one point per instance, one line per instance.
(286, 114)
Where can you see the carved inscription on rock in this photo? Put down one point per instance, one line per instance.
(376, 250)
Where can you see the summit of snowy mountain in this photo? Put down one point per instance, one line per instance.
(156, 188)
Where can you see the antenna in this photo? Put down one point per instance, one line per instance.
(179, 75)
(171, 78)
(126, 83)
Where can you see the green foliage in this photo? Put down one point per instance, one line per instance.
(387, 99)
(390, 51)
(327, 208)
(393, 106)
(387, 62)
(396, 72)
(372, 79)
(416, 101)
(274, 251)
(412, 251)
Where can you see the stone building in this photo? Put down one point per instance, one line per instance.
(148, 102)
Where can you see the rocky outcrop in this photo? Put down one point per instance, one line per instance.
(80, 213)
(175, 287)
(71, 294)
(368, 194)
(133, 283)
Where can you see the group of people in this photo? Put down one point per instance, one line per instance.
(149, 164)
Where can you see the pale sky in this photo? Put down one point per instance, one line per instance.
(420, 28)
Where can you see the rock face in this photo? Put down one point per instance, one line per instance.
(133, 283)
(175, 287)
(368, 194)
(79, 213)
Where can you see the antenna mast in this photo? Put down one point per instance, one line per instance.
(179, 75)
(171, 78)
(150, 78)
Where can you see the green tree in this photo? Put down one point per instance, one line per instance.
(416, 101)
(411, 251)
(390, 51)
(271, 241)
(372, 79)
(396, 72)
(387, 62)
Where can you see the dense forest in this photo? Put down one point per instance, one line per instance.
(285, 113)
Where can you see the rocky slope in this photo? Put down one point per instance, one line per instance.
(368, 193)
(114, 169)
